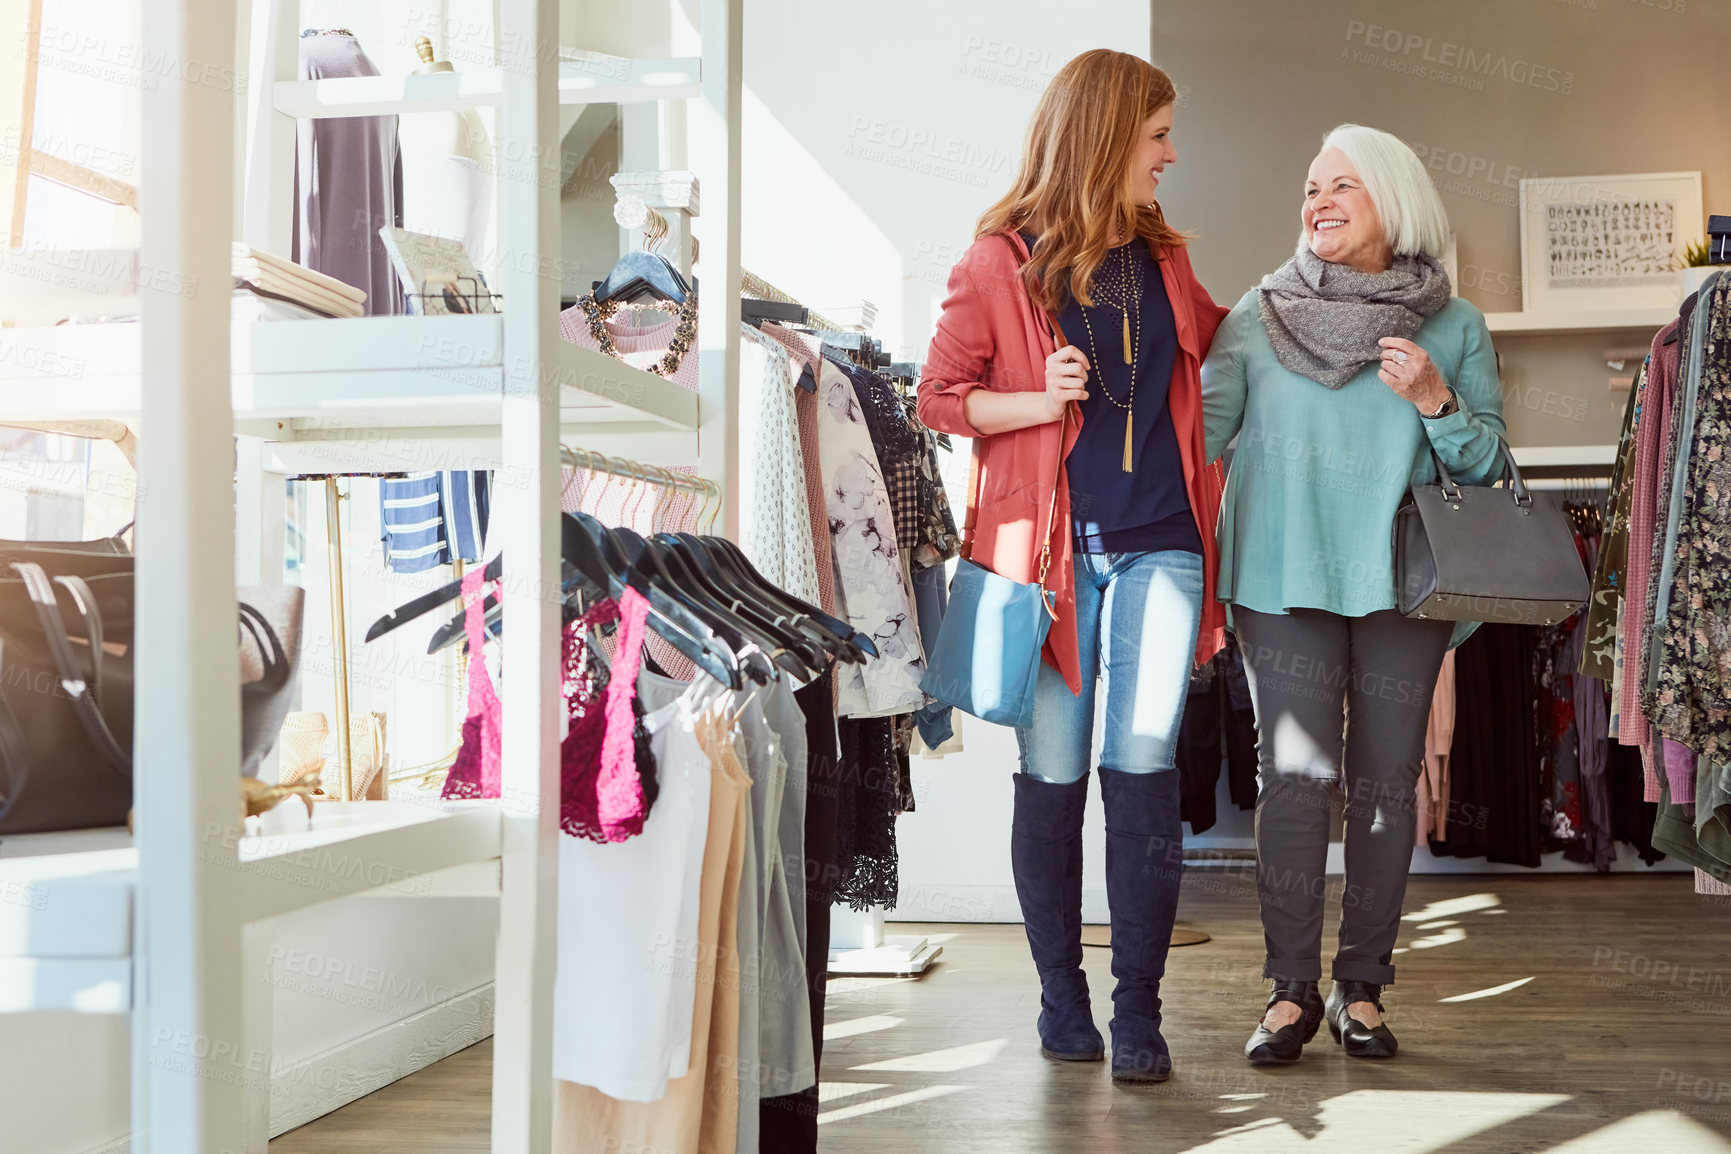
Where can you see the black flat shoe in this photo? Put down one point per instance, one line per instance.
(1272, 1047)
(1358, 1039)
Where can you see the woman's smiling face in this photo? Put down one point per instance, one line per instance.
(1153, 153)
(1340, 220)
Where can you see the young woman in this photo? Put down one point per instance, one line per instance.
(1074, 332)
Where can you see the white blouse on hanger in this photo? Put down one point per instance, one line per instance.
(624, 987)
(774, 516)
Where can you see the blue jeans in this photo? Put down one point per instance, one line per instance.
(1136, 621)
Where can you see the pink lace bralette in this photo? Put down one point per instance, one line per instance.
(475, 773)
(606, 770)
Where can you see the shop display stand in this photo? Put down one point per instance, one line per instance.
(858, 947)
(164, 926)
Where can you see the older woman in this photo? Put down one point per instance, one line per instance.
(1340, 375)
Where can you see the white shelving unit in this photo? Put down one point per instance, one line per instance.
(364, 374)
(596, 80)
(1580, 321)
(158, 925)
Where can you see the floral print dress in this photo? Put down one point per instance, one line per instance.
(873, 592)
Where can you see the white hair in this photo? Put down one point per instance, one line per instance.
(1412, 213)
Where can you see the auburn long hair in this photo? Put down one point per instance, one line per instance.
(1073, 187)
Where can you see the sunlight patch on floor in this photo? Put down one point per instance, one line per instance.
(836, 1091)
(856, 1026)
(894, 1101)
(1490, 993)
(1454, 907)
(942, 1061)
(1411, 1121)
(1665, 1130)
(855, 985)
(1445, 938)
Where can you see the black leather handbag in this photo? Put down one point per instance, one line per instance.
(66, 682)
(1486, 553)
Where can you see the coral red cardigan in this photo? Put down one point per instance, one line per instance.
(992, 336)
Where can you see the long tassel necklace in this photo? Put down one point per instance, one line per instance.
(1130, 297)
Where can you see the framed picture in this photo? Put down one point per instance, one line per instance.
(1606, 242)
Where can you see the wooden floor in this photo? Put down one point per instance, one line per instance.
(1571, 1014)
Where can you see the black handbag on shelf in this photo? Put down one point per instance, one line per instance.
(1484, 553)
(66, 681)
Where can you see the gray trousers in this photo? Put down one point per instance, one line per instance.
(1336, 694)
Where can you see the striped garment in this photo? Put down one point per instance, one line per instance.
(433, 519)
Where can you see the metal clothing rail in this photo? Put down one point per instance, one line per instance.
(755, 286)
(594, 462)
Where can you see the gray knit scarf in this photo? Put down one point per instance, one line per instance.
(1324, 319)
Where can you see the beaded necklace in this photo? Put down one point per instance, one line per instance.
(1129, 291)
(683, 333)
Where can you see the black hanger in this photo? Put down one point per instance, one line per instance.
(789, 648)
(596, 561)
(638, 273)
(587, 544)
(426, 603)
(754, 312)
(813, 652)
(731, 554)
(650, 573)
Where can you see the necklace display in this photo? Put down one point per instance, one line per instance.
(1129, 292)
(683, 333)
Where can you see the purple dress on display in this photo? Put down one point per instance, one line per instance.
(348, 182)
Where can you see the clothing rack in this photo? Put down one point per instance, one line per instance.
(755, 287)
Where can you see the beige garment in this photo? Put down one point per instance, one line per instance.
(1439, 735)
(700, 1114)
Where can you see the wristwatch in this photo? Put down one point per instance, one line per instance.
(1447, 408)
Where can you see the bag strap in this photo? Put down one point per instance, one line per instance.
(85, 602)
(969, 518)
(14, 754)
(72, 679)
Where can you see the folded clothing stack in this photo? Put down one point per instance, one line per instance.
(278, 279)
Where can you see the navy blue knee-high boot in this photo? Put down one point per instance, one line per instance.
(1144, 864)
(1046, 858)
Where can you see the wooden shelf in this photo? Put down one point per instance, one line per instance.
(373, 374)
(1581, 321)
(66, 921)
(595, 79)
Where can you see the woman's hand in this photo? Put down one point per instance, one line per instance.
(1066, 379)
(1408, 370)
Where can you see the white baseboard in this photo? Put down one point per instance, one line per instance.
(333, 1079)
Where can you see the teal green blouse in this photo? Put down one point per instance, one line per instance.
(1308, 515)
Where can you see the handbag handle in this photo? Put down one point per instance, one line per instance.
(14, 760)
(1511, 477)
(72, 680)
(272, 656)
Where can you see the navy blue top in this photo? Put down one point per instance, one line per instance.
(1148, 509)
